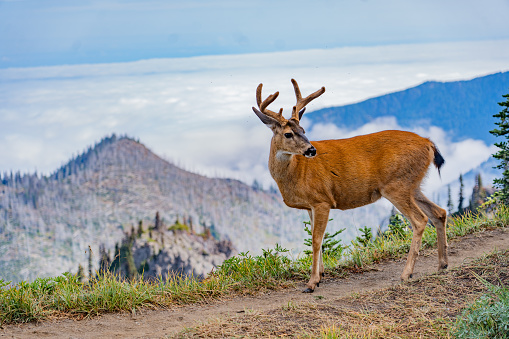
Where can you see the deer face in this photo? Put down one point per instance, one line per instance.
(288, 136)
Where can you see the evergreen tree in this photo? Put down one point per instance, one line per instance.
(157, 222)
(365, 237)
(461, 197)
(140, 229)
(398, 225)
(503, 154)
(89, 262)
(478, 194)
(81, 273)
(330, 246)
(132, 235)
(190, 223)
(273, 189)
(450, 204)
(131, 267)
(104, 259)
(256, 186)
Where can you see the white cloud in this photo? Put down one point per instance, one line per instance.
(460, 156)
(197, 111)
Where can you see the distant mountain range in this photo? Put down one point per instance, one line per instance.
(464, 108)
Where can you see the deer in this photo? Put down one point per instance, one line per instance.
(318, 176)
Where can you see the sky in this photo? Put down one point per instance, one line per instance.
(56, 32)
(181, 76)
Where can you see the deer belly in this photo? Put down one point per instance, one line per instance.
(357, 199)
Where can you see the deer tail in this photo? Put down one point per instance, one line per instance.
(438, 159)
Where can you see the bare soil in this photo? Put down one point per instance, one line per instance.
(165, 323)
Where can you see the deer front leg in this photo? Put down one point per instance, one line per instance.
(322, 268)
(320, 216)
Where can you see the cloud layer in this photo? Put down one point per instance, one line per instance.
(197, 111)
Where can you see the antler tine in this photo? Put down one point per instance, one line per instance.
(301, 103)
(263, 104)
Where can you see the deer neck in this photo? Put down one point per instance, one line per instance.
(281, 165)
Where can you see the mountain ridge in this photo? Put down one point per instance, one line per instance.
(463, 108)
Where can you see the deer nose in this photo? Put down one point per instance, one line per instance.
(310, 152)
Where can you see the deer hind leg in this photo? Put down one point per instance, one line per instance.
(322, 268)
(407, 205)
(320, 216)
(438, 217)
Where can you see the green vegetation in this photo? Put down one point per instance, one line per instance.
(330, 245)
(365, 238)
(178, 227)
(487, 317)
(503, 154)
(242, 274)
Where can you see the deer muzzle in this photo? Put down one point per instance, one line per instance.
(310, 152)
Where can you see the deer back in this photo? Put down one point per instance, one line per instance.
(348, 173)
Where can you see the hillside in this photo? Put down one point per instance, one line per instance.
(48, 223)
(465, 108)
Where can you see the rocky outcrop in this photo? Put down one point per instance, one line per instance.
(162, 253)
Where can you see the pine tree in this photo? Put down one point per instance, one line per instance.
(330, 246)
(365, 237)
(104, 259)
(478, 194)
(140, 229)
(256, 185)
(190, 221)
(461, 197)
(398, 226)
(450, 204)
(503, 154)
(89, 262)
(157, 222)
(132, 235)
(81, 273)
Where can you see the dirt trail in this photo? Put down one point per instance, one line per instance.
(159, 324)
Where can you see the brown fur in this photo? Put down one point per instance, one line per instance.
(353, 172)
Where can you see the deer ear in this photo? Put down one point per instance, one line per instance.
(266, 119)
(301, 112)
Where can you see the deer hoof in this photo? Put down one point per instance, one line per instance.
(406, 277)
(323, 274)
(308, 290)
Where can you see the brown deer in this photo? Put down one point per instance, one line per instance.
(349, 173)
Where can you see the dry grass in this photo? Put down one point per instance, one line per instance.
(421, 308)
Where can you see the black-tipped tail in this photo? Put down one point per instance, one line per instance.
(438, 159)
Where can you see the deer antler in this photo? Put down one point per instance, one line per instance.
(263, 104)
(301, 103)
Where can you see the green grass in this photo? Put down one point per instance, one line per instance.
(487, 317)
(243, 274)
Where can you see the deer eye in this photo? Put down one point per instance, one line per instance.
(288, 135)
